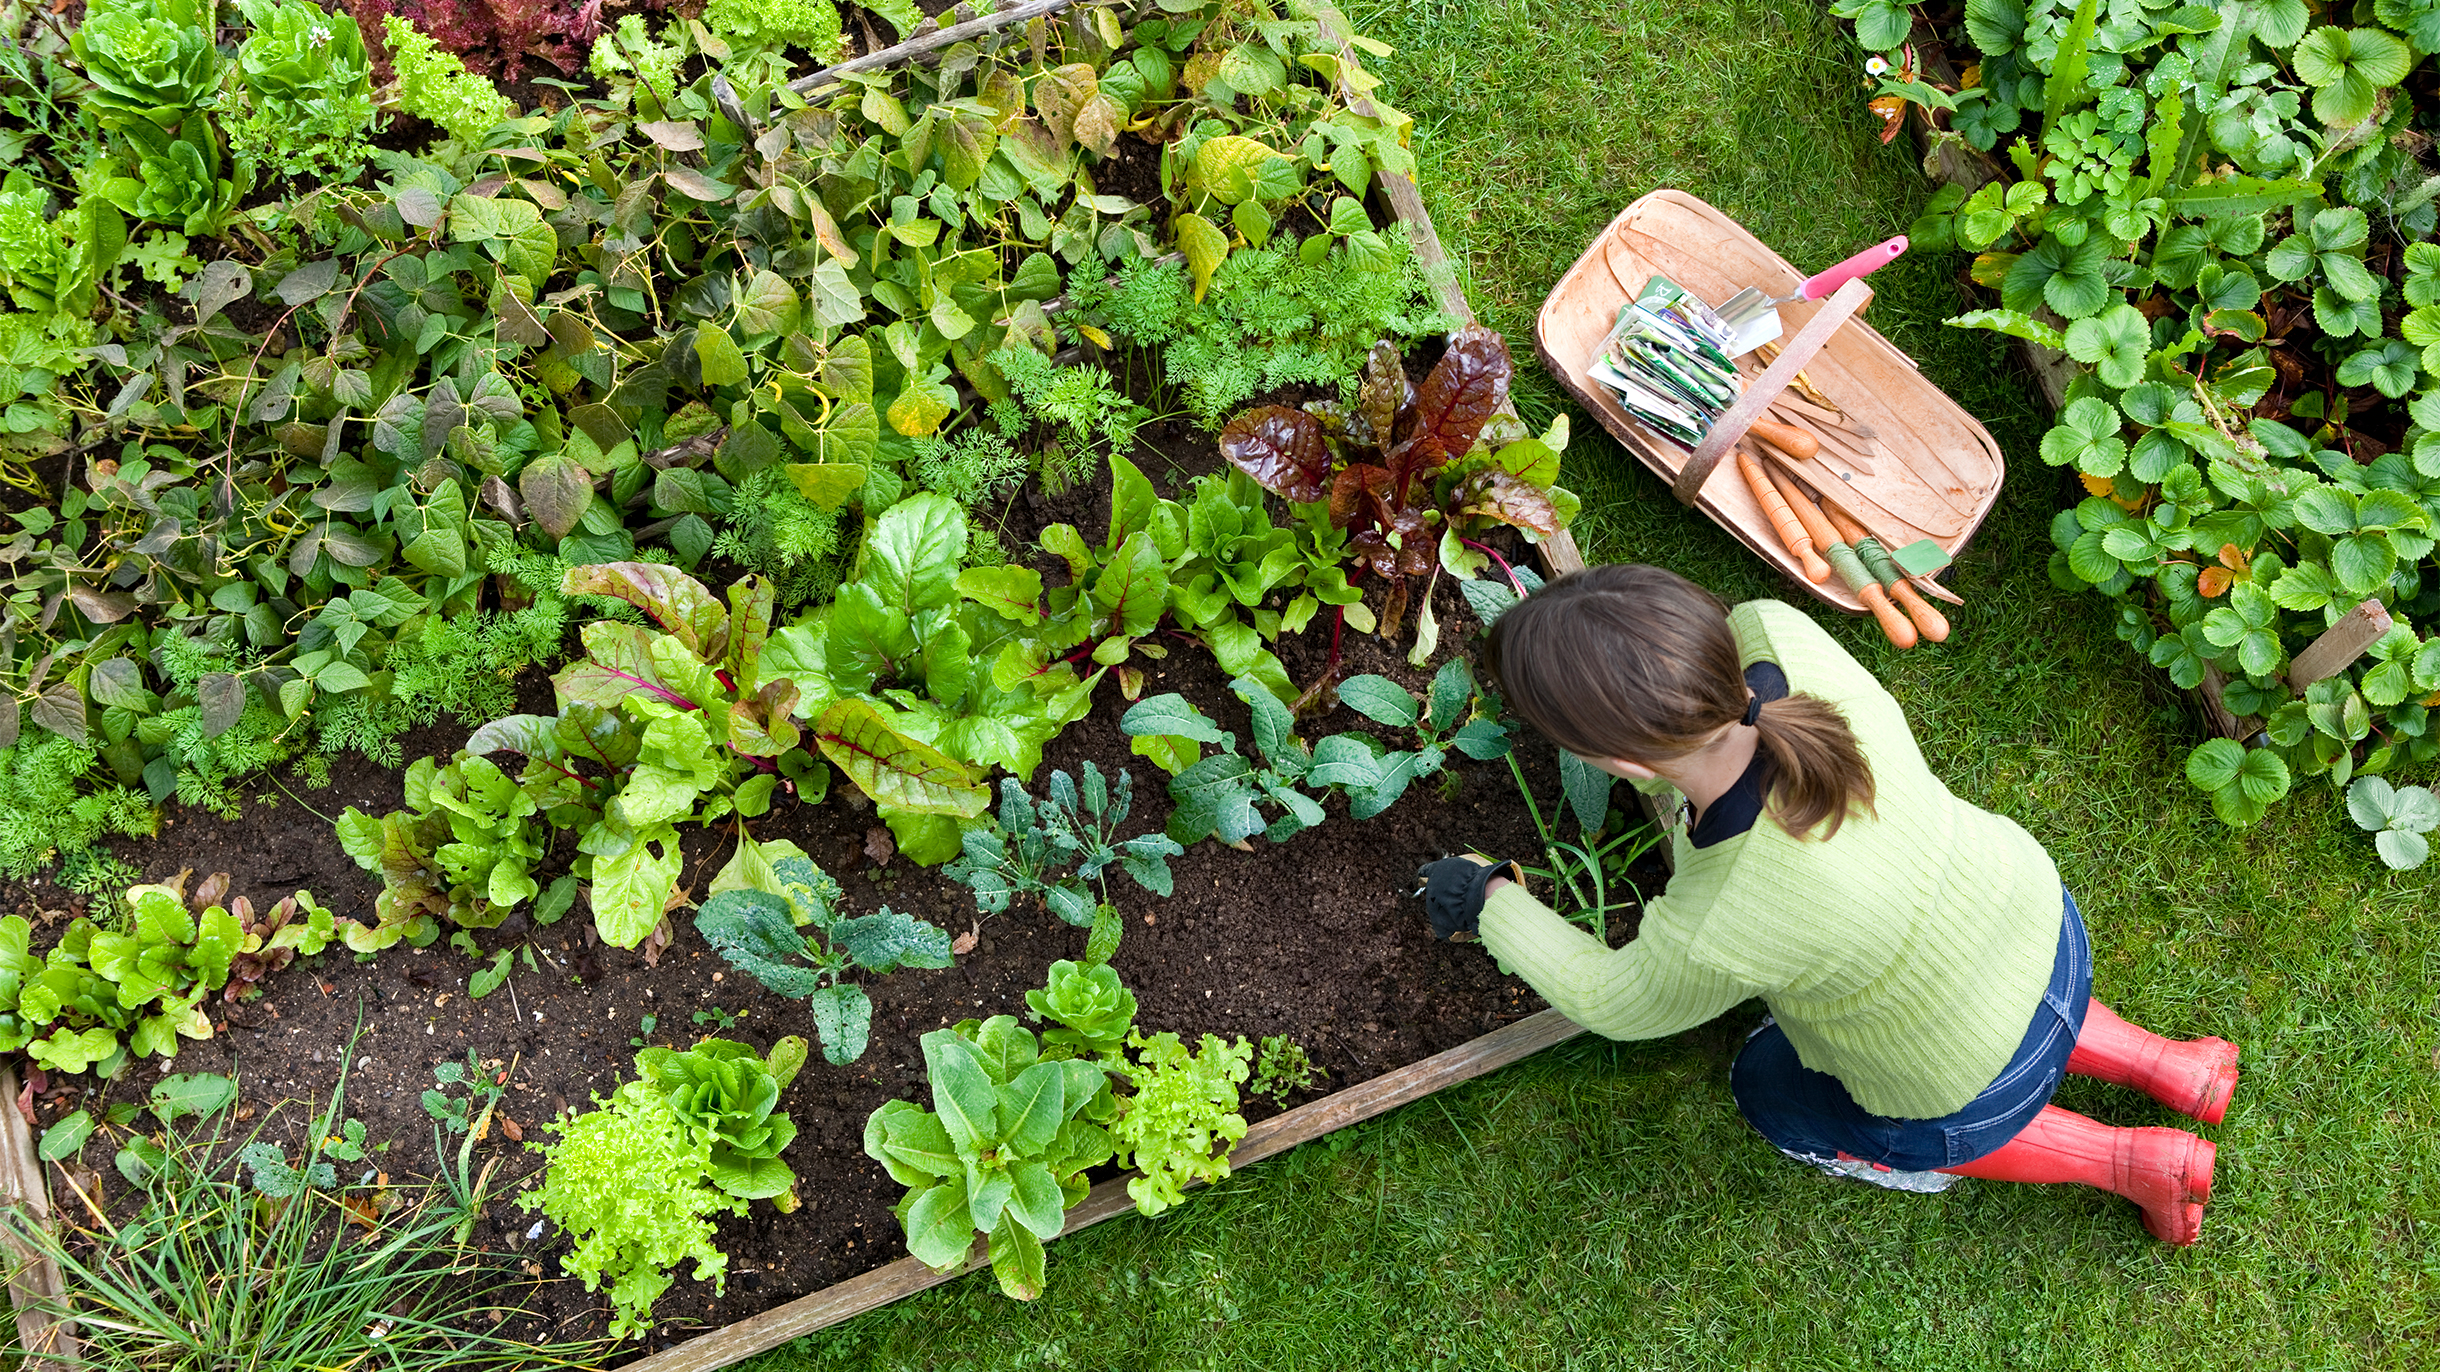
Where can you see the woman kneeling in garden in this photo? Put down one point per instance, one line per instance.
(1929, 981)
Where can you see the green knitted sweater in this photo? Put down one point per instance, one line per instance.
(1904, 956)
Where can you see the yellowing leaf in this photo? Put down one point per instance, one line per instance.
(1206, 247)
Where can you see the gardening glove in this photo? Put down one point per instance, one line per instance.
(1452, 891)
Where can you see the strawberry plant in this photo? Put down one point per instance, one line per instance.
(2398, 818)
(2233, 248)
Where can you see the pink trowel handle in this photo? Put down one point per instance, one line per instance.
(1870, 260)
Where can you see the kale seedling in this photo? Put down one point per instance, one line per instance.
(1024, 851)
(1374, 777)
(1221, 796)
(772, 931)
(648, 1024)
(718, 1018)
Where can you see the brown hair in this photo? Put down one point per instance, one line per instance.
(1636, 662)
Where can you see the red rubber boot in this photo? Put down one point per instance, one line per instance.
(2193, 1077)
(2167, 1172)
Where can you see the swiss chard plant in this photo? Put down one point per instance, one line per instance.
(1059, 851)
(130, 986)
(907, 681)
(1003, 1151)
(781, 925)
(1404, 472)
(2216, 212)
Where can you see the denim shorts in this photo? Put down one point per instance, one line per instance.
(1808, 1112)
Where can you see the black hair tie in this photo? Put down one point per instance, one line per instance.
(1753, 711)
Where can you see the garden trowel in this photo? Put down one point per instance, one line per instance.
(1753, 315)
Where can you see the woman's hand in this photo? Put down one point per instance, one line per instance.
(1454, 889)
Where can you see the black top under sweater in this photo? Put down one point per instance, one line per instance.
(1741, 804)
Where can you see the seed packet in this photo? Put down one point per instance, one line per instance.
(1667, 361)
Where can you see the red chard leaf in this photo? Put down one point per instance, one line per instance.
(1453, 404)
(1280, 448)
(1510, 499)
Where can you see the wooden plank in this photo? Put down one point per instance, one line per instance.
(22, 1185)
(2224, 722)
(926, 45)
(2340, 644)
(905, 1277)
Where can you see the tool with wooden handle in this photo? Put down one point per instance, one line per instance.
(1829, 495)
(1875, 558)
(1850, 568)
(1787, 438)
(1775, 506)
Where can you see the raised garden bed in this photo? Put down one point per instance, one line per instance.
(1309, 938)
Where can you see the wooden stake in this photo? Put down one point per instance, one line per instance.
(49, 1346)
(2340, 644)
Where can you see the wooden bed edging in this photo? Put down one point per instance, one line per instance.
(844, 1300)
(33, 1277)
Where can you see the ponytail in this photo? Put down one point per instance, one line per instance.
(1818, 771)
(1636, 662)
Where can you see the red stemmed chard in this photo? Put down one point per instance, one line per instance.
(1406, 466)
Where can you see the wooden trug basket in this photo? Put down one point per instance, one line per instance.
(1902, 457)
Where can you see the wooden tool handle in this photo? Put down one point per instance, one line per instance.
(1860, 581)
(1931, 622)
(1892, 623)
(1926, 619)
(1787, 438)
(1805, 511)
(1791, 530)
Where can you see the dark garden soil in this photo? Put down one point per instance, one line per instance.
(1314, 938)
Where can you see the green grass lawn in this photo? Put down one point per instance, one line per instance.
(1603, 1206)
